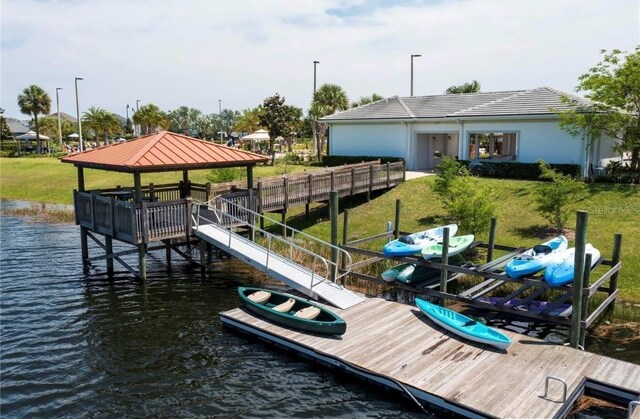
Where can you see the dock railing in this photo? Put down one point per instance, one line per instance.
(293, 245)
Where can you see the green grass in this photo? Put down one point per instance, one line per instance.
(49, 180)
(612, 208)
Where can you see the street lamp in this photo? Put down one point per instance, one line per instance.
(138, 129)
(412, 57)
(219, 106)
(59, 123)
(314, 76)
(128, 123)
(80, 147)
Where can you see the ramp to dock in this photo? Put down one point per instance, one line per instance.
(277, 266)
(389, 342)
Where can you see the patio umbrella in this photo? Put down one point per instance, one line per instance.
(31, 135)
(260, 135)
(74, 135)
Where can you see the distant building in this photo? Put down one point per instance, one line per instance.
(64, 117)
(16, 126)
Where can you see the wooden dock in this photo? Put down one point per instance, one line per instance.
(389, 342)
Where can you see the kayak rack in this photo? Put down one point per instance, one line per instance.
(530, 297)
(287, 258)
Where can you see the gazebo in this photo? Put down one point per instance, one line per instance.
(142, 214)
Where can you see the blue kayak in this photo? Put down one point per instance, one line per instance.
(414, 243)
(536, 259)
(561, 270)
(463, 326)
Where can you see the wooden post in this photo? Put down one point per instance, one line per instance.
(404, 170)
(333, 216)
(84, 242)
(207, 191)
(353, 181)
(137, 198)
(167, 253)
(152, 193)
(333, 182)
(444, 274)
(284, 224)
(203, 261)
(396, 230)
(259, 201)
(108, 244)
(370, 183)
(185, 183)
(492, 239)
(578, 276)
(285, 186)
(310, 197)
(388, 177)
(250, 176)
(112, 209)
(615, 258)
(585, 297)
(345, 235)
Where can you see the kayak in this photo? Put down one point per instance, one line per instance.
(561, 270)
(457, 245)
(410, 273)
(533, 306)
(291, 311)
(536, 259)
(414, 243)
(464, 326)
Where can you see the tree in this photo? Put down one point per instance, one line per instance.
(327, 100)
(473, 87)
(279, 119)
(183, 119)
(101, 122)
(49, 127)
(5, 132)
(249, 120)
(208, 125)
(150, 118)
(555, 196)
(364, 100)
(293, 124)
(614, 86)
(228, 119)
(34, 101)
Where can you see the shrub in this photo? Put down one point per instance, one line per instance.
(290, 158)
(471, 204)
(340, 160)
(555, 196)
(224, 174)
(517, 170)
(448, 169)
(618, 173)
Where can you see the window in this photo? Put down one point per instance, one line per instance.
(492, 145)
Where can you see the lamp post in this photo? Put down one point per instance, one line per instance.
(412, 57)
(59, 123)
(80, 146)
(128, 123)
(138, 129)
(219, 106)
(314, 76)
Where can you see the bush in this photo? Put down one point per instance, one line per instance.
(471, 204)
(517, 170)
(555, 196)
(448, 169)
(290, 158)
(340, 160)
(617, 173)
(224, 174)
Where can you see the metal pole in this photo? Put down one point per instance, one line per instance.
(128, 122)
(578, 277)
(314, 76)
(444, 274)
(333, 211)
(59, 123)
(396, 230)
(138, 129)
(412, 57)
(80, 147)
(492, 239)
(219, 106)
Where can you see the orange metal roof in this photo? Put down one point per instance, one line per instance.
(163, 151)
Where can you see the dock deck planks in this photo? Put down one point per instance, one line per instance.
(398, 341)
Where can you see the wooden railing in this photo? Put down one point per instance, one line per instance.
(282, 193)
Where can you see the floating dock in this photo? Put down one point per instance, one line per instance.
(397, 346)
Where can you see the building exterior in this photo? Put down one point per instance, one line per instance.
(518, 126)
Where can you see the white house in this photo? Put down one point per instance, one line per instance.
(513, 125)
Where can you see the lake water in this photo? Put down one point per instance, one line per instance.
(76, 344)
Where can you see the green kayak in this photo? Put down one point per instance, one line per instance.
(457, 244)
(291, 311)
(412, 274)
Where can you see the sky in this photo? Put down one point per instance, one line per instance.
(197, 53)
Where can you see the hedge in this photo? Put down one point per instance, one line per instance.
(516, 170)
(623, 174)
(341, 160)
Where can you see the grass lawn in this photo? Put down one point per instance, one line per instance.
(49, 180)
(612, 208)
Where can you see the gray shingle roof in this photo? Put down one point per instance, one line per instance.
(16, 126)
(515, 102)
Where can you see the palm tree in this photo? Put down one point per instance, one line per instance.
(34, 101)
(249, 120)
(102, 122)
(327, 100)
(183, 119)
(228, 119)
(473, 87)
(150, 118)
(364, 100)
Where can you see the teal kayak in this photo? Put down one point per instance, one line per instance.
(291, 311)
(463, 326)
(457, 245)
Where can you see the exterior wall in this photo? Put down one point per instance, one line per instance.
(370, 139)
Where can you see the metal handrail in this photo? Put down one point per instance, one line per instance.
(564, 384)
(218, 213)
(632, 405)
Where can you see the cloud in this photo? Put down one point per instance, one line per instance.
(194, 53)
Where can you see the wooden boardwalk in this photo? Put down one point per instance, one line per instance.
(387, 341)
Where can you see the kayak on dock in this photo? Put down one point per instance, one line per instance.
(537, 258)
(291, 311)
(464, 326)
(457, 245)
(561, 270)
(411, 273)
(414, 243)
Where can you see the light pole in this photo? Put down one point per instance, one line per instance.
(80, 147)
(219, 106)
(128, 123)
(314, 76)
(138, 129)
(59, 123)
(412, 57)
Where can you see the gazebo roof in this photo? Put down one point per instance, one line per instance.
(163, 151)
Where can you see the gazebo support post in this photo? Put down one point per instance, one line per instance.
(137, 199)
(167, 253)
(84, 245)
(185, 184)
